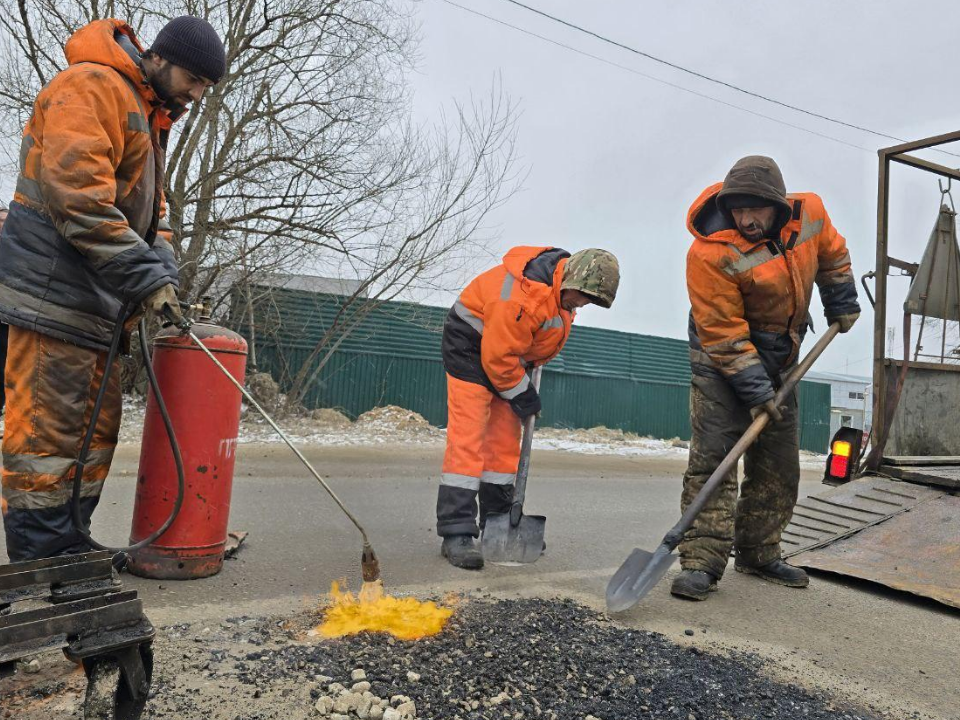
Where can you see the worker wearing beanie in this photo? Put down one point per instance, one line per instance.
(755, 256)
(506, 321)
(87, 235)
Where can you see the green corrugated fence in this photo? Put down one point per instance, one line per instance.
(637, 383)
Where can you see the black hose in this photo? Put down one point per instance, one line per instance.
(91, 430)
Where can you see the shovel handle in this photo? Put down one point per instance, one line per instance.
(673, 538)
(523, 468)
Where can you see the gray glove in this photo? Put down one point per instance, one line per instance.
(844, 321)
(770, 408)
(164, 305)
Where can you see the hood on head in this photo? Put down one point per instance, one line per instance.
(539, 269)
(706, 221)
(757, 176)
(99, 42)
(517, 259)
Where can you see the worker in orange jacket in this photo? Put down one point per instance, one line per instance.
(756, 254)
(506, 321)
(87, 239)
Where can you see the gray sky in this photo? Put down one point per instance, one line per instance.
(615, 159)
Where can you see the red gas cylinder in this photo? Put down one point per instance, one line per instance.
(205, 409)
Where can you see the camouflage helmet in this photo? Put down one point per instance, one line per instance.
(593, 272)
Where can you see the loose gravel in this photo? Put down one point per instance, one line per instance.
(496, 660)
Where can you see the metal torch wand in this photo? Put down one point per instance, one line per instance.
(369, 564)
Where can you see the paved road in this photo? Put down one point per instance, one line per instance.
(855, 639)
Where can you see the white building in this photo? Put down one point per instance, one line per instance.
(851, 399)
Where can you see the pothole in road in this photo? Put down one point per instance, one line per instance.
(495, 660)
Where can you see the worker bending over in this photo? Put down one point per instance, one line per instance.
(756, 253)
(507, 321)
(87, 235)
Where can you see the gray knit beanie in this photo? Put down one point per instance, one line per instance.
(194, 45)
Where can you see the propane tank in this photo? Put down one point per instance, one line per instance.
(204, 407)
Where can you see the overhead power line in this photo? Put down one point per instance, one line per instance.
(708, 78)
(700, 75)
(656, 79)
(694, 73)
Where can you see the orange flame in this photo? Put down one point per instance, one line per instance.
(375, 611)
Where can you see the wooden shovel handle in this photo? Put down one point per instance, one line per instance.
(526, 445)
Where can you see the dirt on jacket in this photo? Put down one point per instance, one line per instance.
(507, 319)
(87, 231)
(750, 301)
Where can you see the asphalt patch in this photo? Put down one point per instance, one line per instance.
(496, 660)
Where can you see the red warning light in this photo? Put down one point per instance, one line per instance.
(839, 465)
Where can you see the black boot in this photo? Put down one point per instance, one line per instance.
(462, 552)
(776, 572)
(693, 585)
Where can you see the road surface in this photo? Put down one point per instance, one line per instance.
(861, 641)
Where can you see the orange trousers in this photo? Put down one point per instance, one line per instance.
(50, 387)
(480, 462)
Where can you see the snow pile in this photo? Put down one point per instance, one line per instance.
(393, 419)
(380, 426)
(602, 440)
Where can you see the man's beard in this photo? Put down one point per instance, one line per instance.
(162, 85)
(753, 231)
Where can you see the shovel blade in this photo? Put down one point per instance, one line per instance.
(637, 576)
(506, 543)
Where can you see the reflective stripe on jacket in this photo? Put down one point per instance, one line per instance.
(87, 229)
(750, 301)
(508, 319)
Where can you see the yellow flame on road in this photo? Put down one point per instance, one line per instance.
(375, 611)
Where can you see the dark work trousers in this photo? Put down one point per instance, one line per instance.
(753, 523)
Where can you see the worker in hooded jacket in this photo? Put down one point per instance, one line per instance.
(87, 245)
(756, 254)
(507, 321)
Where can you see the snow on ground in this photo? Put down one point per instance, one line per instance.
(392, 425)
(605, 441)
(388, 425)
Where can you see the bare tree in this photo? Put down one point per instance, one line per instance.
(303, 158)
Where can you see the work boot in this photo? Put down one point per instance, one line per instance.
(776, 572)
(693, 585)
(461, 551)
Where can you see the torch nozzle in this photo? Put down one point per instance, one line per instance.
(369, 564)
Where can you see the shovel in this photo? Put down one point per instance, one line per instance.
(514, 537)
(642, 570)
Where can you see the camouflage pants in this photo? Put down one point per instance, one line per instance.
(50, 386)
(768, 492)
